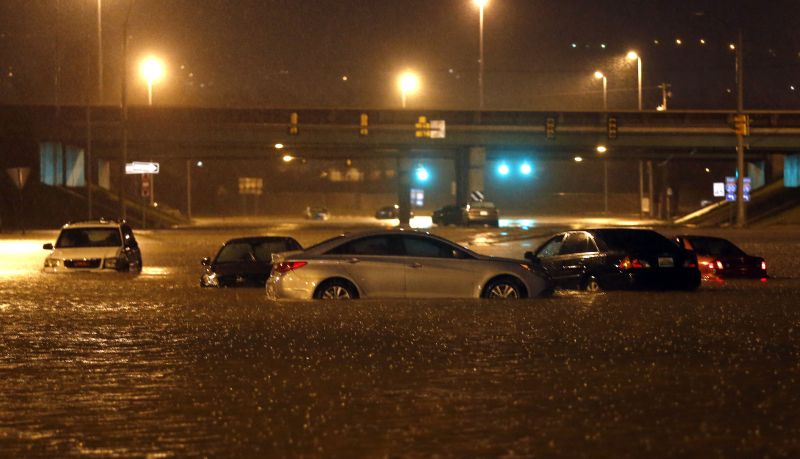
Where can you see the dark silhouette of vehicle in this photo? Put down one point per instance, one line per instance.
(474, 213)
(244, 262)
(720, 258)
(616, 258)
(389, 212)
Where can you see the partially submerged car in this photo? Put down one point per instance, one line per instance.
(317, 213)
(474, 213)
(616, 258)
(400, 264)
(721, 258)
(94, 246)
(245, 261)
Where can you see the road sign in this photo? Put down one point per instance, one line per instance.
(138, 167)
(730, 189)
(719, 189)
(438, 129)
(476, 195)
(19, 175)
(417, 197)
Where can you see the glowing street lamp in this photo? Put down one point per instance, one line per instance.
(409, 84)
(152, 70)
(633, 55)
(598, 75)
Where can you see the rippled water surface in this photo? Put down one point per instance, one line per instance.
(152, 365)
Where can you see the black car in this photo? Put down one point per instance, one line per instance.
(389, 212)
(721, 258)
(617, 258)
(474, 213)
(245, 262)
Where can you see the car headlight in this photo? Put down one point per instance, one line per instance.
(52, 263)
(110, 263)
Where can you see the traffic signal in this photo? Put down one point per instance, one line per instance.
(363, 130)
(741, 124)
(423, 127)
(550, 129)
(294, 120)
(612, 127)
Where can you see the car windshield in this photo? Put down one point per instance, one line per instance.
(714, 246)
(481, 205)
(89, 237)
(635, 240)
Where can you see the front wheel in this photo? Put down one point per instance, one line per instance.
(335, 290)
(505, 289)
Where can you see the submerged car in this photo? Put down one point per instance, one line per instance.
(94, 246)
(400, 264)
(389, 212)
(317, 213)
(720, 258)
(474, 213)
(616, 258)
(244, 262)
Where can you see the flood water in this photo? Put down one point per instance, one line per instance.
(153, 366)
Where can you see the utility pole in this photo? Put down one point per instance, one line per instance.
(122, 182)
(741, 216)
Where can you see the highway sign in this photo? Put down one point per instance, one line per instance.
(719, 189)
(438, 129)
(730, 189)
(476, 195)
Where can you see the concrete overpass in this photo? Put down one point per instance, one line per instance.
(468, 137)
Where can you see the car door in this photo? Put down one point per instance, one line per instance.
(547, 255)
(436, 269)
(374, 264)
(577, 254)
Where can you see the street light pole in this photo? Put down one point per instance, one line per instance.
(123, 209)
(481, 5)
(639, 78)
(600, 76)
(99, 52)
(741, 216)
(189, 189)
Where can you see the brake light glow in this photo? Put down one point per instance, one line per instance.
(632, 263)
(286, 266)
(719, 264)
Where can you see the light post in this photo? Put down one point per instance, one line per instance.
(152, 69)
(408, 83)
(598, 75)
(481, 4)
(99, 52)
(601, 150)
(189, 187)
(633, 55)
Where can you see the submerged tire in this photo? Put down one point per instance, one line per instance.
(592, 285)
(504, 288)
(336, 290)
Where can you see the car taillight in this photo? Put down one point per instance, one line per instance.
(763, 265)
(286, 266)
(632, 263)
(718, 264)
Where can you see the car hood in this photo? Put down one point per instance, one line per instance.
(85, 252)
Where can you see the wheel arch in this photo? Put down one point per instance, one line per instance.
(342, 279)
(525, 292)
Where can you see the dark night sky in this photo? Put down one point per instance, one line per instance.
(279, 53)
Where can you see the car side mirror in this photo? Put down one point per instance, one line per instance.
(48, 246)
(205, 261)
(530, 256)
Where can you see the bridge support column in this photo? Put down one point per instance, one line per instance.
(756, 170)
(404, 189)
(470, 165)
(791, 171)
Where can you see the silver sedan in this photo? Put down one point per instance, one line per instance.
(400, 264)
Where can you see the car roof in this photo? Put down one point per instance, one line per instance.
(257, 239)
(346, 237)
(695, 237)
(94, 224)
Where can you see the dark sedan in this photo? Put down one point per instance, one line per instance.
(480, 213)
(720, 258)
(245, 262)
(617, 258)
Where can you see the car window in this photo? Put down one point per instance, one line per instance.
(89, 237)
(236, 252)
(577, 243)
(127, 234)
(552, 247)
(635, 240)
(370, 245)
(263, 250)
(416, 246)
(716, 247)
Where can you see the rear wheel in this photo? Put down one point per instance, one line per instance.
(504, 288)
(592, 285)
(336, 290)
